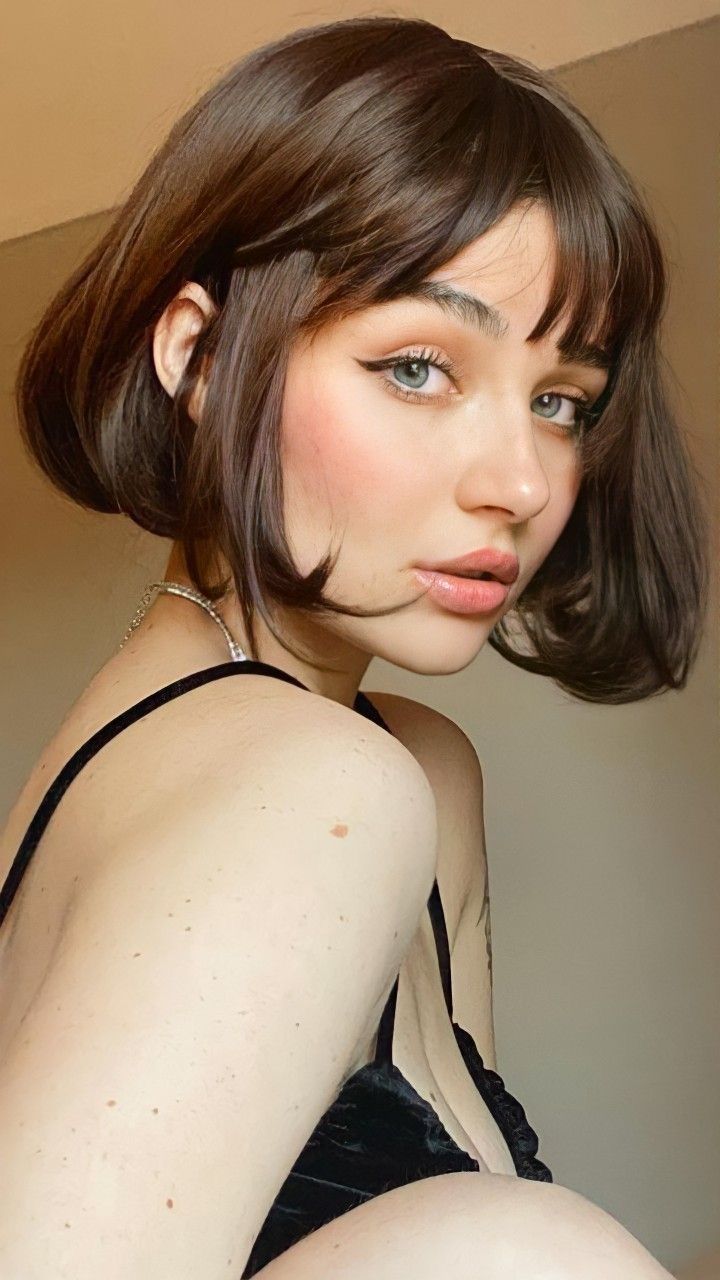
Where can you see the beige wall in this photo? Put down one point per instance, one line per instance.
(91, 97)
(602, 822)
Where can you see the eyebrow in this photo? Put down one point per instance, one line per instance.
(476, 314)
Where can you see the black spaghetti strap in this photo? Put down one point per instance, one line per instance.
(442, 946)
(97, 740)
(369, 710)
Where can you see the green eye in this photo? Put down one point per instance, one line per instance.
(582, 413)
(418, 371)
(414, 373)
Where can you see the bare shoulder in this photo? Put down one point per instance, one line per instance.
(435, 740)
(293, 738)
(273, 732)
(209, 770)
(208, 748)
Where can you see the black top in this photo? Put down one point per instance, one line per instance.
(379, 1133)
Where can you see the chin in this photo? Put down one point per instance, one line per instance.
(441, 646)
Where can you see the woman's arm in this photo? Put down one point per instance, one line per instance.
(470, 1226)
(215, 975)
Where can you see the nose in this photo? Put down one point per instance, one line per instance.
(506, 469)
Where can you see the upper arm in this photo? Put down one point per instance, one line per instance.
(210, 987)
(451, 764)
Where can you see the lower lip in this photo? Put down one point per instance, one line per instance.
(463, 595)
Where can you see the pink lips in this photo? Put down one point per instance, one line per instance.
(501, 564)
(463, 595)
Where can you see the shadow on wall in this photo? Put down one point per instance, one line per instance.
(706, 1267)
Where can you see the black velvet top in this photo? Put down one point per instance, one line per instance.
(379, 1132)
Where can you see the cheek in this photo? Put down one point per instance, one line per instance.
(549, 523)
(572, 487)
(340, 455)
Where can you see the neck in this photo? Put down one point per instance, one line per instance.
(340, 684)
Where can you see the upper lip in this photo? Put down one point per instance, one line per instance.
(501, 564)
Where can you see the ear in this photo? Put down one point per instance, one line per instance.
(174, 337)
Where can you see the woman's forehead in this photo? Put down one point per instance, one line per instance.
(522, 242)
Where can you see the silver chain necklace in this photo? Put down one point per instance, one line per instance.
(179, 589)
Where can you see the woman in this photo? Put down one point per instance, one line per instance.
(384, 292)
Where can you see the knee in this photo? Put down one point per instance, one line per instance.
(549, 1232)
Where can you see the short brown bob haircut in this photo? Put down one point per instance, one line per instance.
(327, 172)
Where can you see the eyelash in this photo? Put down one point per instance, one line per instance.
(585, 415)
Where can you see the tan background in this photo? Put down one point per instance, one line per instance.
(93, 88)
(602, 822)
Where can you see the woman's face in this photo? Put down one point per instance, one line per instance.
(470, 445)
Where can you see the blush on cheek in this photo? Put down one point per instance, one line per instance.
(349, 475)
(336, 453)
(322, 470)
